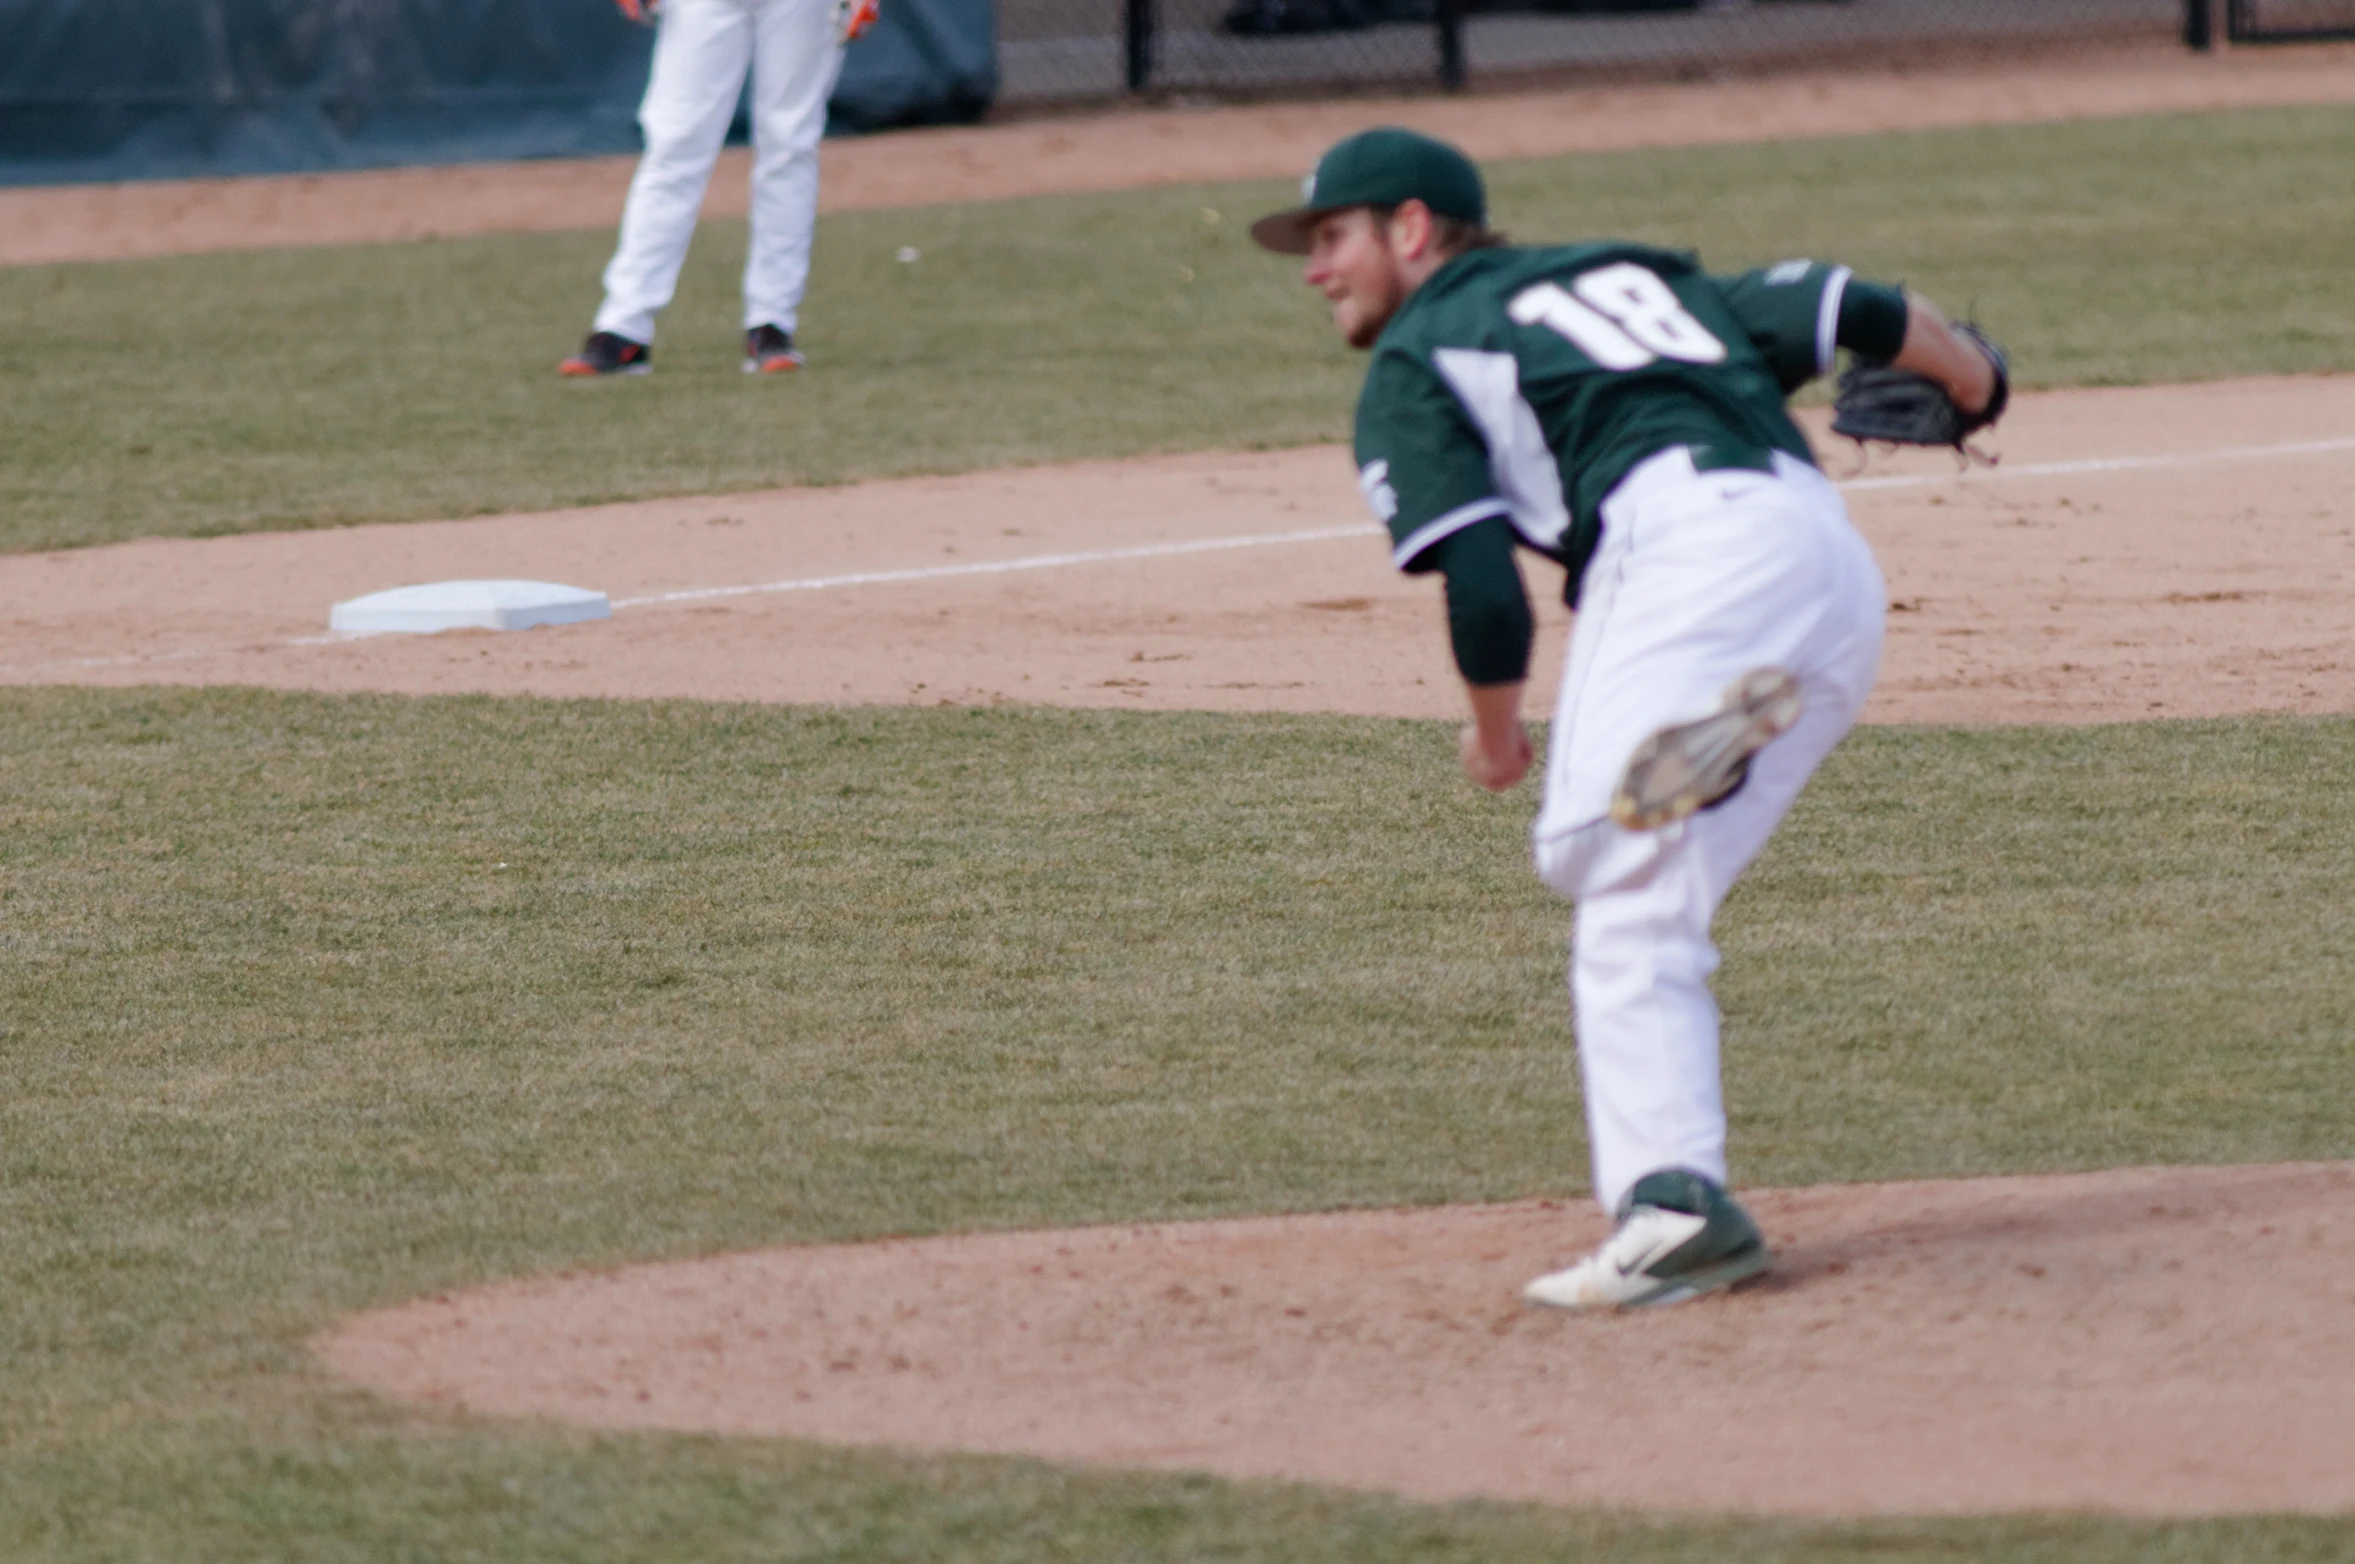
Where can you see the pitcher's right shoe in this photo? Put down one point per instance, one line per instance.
(1679, 1235)
(606, 354)
(1683, 769)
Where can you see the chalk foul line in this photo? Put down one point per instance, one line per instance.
(2237, 453)
(998, 567)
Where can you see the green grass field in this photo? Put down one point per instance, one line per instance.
(314, 1003)
(306, 388)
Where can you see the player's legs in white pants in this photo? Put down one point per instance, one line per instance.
(701, 55)
(795, 60)
(1700, 578)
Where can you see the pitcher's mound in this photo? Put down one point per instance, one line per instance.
(2157, 1341)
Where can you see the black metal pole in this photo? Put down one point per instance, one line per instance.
(1140, 44)
(1450, 14)
(2198, 31)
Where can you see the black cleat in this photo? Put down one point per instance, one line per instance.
(769, 350)
(606, 354)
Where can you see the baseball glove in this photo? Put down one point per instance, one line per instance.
(1879, 401)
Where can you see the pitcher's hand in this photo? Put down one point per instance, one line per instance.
(1499, 761)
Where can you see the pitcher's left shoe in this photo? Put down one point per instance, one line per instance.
(1680, 1235)
(1683, 769)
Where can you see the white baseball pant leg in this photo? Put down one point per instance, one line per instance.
(1700, 577)
(795, 60)
(702, 50)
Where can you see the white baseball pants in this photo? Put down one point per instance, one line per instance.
(1700, 577)
(701, 53)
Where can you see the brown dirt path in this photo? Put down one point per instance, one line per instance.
(2148, 1342)
(2053, 588)
(1125, 149)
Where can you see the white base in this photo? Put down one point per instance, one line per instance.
(467, 605)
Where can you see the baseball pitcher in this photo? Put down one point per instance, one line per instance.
(1619, 411)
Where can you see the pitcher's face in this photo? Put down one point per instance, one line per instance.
(1354, 263)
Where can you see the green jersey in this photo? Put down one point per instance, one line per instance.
(1524, 383)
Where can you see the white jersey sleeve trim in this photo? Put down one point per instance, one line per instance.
(1827, 318)
(1523, 467)
(1446, 526)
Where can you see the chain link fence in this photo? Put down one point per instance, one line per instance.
(1072, 50)
(2289, 21)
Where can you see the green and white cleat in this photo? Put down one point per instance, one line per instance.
(1682, 770)
(1680, 1235)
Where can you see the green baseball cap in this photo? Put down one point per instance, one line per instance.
(1379, 167)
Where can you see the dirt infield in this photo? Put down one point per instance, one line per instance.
(2148, 1342)
(2173, 551)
